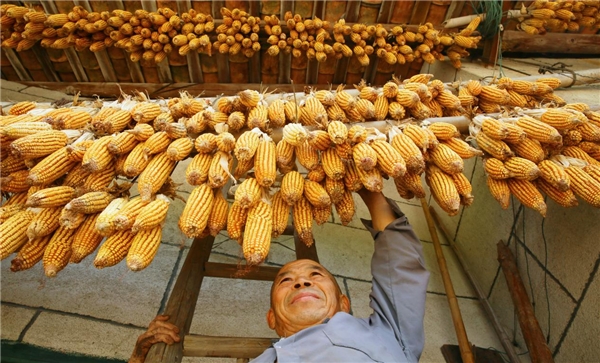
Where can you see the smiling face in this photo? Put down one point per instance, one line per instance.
(304, 294)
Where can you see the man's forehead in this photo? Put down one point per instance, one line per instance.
(299, 265)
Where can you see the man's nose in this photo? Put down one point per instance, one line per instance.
(302, 282)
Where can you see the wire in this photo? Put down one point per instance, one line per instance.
(546, 277)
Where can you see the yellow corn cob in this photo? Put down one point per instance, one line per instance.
(371, 180)
(56, 20)
(265, 167)
(589, 147)
(14, 232)
(219, 170)
(364, 156)
(494, 129)
(539, 130)
(413, 183)
(236, 220)
(58, 251)
(10, 164)
(344, 99)
(337, 131)
(30, 254)
(145, 112)
(494, 95)
(444, 130)
(97, 157)
(115, 122)
(50, 168)
(114, 249)
(522, 168)
(571, 137)
(21, 108)
(351, 179)
(381, 107)
(402, 189)
(22, 129)
(584, 185)
(206, 143)
(125, 217)
(576, 152)
(407, 98)
(419, 136)
(529, 149)
(284, 153)
(257, 233)
(388, 158)
(366, 109)
(276, 113)
(122, 143)
(143, 248)
(243, 167)
(225, 142)
(258, 117)
(152, 214)
(141, 131)
(307, 156)
(589, 132)
(319, 139)
(86, 239)
(344, 150)
(249, 98)
(105, 223)
(51, 197)
(179, 149)
(303, 216)
(137, 160)
(560, 118)
(218, 214)
(89, 203)
(99, 181)
(16, 199)
(443, 189)
(157, 143)
(464, 188)
(409, 151)
(246, 145)
(76, 177)
(335, 112)
(565, 198)
(292, 187)
(292, 111)
(593, 171)
(495, 148)
(550, 81)
(317, 174)
(295, 134)
(8, 211)
(15, 182)
(495, 168)
(194, 218)
(446, 159)
(155, 175)
(281, 213)
(335, 189)
(313, 112)
(70, 219)
(316, 194)
(554, 175)
(39, 144)
(332, 164)
(345, 208)
(77, 151)
(248, 193)
(515, 133)
(73, 120)
(45, 221)
(499, 190)
(526, 192)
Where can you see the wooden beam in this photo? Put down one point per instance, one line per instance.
(224, 347)
(228, 270)
(562, 43)
(14, 60)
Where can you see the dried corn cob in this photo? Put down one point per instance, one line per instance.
(114, 249)
(284, 153)
(143, 248)
(141, 131)
(218, 214)
(303, 216)
(14, 232)
(45, 221)
(495, 129)
(281, 212)
(409, 152)
(196, 172)
(316, 194)
(155, 175)
(122, 143)
(97, 157)
(584, 185)
(335, 189)
(194, 218)
(145, 112)
(236, 220)
(257, 233)
(371, 180)
(246, 145)
(446, 159)
(276, 113)
(307, 156)
(157, 143)
(388, 158)
(526, 192)
(15, 182)
(58, 251)
(352, 179)
(576, 152)
(137, 160)
(21, 108)
(86, 239)
(70, 219)
(462, 148)
(265, 166)
(443, 189)
(30, 254)
(345, 208)
(539, 130)
(125, 217)
(39, 144)
(152, 214)
(589, 132)
(521, 168)
(292, 187)
(219, 170)
(225, 142)
(89, 203)
(464, 188)
(105, 223)
(22, 129)
(51, 197)
(496, 148)
(10, 164)
(248, 193)
(332, 164)
(529, 149)
(444, 130)
(179, 149)
(565, 198)
(294, 133)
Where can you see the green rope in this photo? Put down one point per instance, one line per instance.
(493, 10)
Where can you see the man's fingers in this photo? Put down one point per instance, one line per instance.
(162, 317)
(168, 338)
(164, 324)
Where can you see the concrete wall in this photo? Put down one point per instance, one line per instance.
(558, 257)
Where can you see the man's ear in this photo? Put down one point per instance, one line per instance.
(271, 318)
(344, 303)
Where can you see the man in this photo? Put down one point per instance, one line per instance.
(310, 313)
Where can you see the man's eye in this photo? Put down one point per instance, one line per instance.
(316, 274)
(284, 280)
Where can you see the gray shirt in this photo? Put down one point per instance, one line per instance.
(394, 332)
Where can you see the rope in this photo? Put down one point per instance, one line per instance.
(489, 27)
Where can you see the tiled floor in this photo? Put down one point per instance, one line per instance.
(101, 312)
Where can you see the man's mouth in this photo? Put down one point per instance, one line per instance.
(304, 296)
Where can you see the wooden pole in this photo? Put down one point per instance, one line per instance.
(461, 334)
(532, 333)
(504, 339)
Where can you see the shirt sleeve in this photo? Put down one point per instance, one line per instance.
(399, 282)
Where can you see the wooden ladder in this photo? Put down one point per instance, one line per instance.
(182, 303)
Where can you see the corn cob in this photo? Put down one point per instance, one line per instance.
(276, 113)
(521, 168)
(155, 175)
(539, 130)
(584, 185)
(14, 232)
(258, 117)
(515, 134)
(141, 131)
(571, 137)
(344, 150)
(499, 190)
(143, 248)
(236, 220)
(219, 170)
(409, 151)
(317, 174)
(179, 149)
(313, 112)
(560, 118)
(337, 131)
(8, 211)
(21, 108)
(30, 254)
(194, 218)
(39, 144)
(257, 233)
(419, 136)
(248, 193)
(345, 208)
(444, 130)
(307, 156)
(115, 122)
(303, 216)
(464, 188)
(281, 212)
(249, 98)
(197, 171)
(462, 148)
(388, 158)
(145, 112)
(443, 189)
(292, 187)
(402, 189)
(292, 112)
(218, 214)
(335, 112)
(593, 171)
(122, 143)
(335, 189)
(86, 239)
(554, 175)
(526, 192)
(70, 219)
(446, 159)
(529, 149)
(125, 217)
(494, 95)
(105, 223)
(51, 197)
(332, 164)
(413, 183)
(495, 129)
(284, 153)
(10, 164)
(89, 203)
(495, 148)
(381, 107)
(295, 134)
(97, 157)
(157, 143)
(344, 99)
(371, 180)
(589, 147)
(15, 182)
(351, 178)
(50, 168)
(114, 249)
(45, 221)
(58, 251)
(206, 143)
(225, 142)
(152, 214)
(589, 132)
(137, 160)
(246, 145)
(243, 167)
(316, 194)
(73, 120)
(576, 152)
(265, 167)
(565, 198)
(22, 129)
(77, 150)
(99, 181)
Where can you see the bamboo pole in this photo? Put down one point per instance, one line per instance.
(461, 334)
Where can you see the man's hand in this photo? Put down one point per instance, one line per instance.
(158, 331)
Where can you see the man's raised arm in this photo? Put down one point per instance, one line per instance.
(399, 275)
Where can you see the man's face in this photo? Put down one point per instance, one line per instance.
(304, 294)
